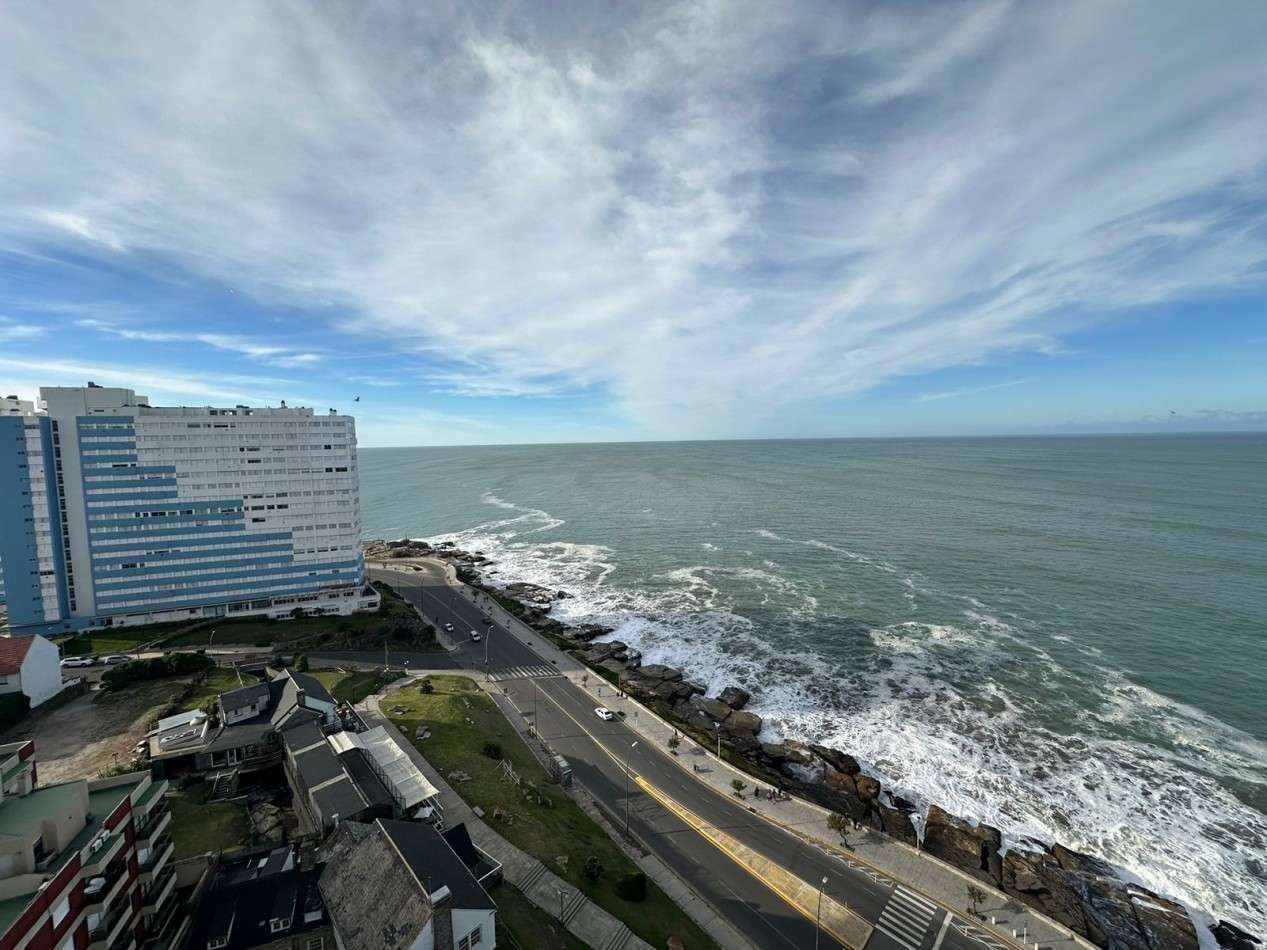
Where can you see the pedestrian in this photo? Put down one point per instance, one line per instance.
(756, 791)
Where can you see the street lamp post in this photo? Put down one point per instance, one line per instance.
(488, 635)
(717, 728)
(627, 755)
(560, 892)
(818, 914)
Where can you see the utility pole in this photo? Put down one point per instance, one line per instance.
(627, 755)
(818, 915)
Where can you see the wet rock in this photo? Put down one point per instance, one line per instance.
(958, 843)
(1038, 880)
(734, 697)
(1164, 924)
(657, 671)
(714, 709)
(840, 761)
(1231, 937)
(868, 788)
(742, 722)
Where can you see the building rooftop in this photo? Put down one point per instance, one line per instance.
(13, 650)
(245, 696)
(373, 899)
(431, 859)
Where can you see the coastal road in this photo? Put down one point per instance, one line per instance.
(752, 872)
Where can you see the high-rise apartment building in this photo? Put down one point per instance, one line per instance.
(82, 864)
(114, 512)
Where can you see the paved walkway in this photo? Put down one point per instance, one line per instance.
(1007, 921)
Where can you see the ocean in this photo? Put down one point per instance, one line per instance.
(1061, 636)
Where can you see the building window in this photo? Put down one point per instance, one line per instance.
(60, 911)
(473, 939)
(317, 943)
(278, 924)
(215, 943)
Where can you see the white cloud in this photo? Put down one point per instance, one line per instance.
(273, 355)
(709, 210)
(971, 391)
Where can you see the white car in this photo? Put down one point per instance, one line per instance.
(602, 712)
(475, 635)
(78, 661)
(448, 627)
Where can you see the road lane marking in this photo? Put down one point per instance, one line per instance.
(835, 918)
(906, 918)
(941, 934)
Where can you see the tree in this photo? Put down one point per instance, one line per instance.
(593, 869)
(839, 824)
(674, 742)
(976, 895)
(426, 686)
(737, 786)
(301, 662)
(278, 663)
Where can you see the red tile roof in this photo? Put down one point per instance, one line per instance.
(13, 651)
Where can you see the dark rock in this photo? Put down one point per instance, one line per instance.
(714, 709)
(613, 665)
(657, 671)
(840, 761)
(895, 822)
(868, 788)
(1165, 924)
(734, 697)
(1231, 937)
(955, 841)
(1037, 879)
(742, 722)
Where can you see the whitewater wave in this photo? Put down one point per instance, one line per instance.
(970, 715)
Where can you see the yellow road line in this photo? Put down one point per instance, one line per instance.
(835, 918)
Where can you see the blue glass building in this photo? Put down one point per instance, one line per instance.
(114, 512)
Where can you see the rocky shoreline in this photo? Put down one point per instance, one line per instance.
(1077, 890)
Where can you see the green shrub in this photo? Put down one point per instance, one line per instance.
(301, 662)
(169, 664)
(492, 750)
(633, 886)
(13, 709)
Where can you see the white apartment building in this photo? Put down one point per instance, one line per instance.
(126, 513)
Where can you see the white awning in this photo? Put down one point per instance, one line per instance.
(409, 785)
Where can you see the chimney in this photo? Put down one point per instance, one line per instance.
(442, 915)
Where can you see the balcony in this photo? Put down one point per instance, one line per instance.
(110, 928)
(160, 851)
(97, 861)
(159, 891)
(100, 890)
(158, 819)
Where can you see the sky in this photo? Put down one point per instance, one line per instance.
(479, 223)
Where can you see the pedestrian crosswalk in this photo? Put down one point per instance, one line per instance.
(906, 918)
(514, 672)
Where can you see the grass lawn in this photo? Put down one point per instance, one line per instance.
(218, 681)
(530, 926)
(547, 823)
(354, 685)
(198, 827)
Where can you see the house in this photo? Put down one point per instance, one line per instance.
(30, 665)
(265, 901)
(82, 864)
(250, 721)
(375, 895)
(355, 777)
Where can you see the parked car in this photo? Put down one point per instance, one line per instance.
(475, 635)
(116, 658)
(602, 712)
(487, 621)
(78, 661)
